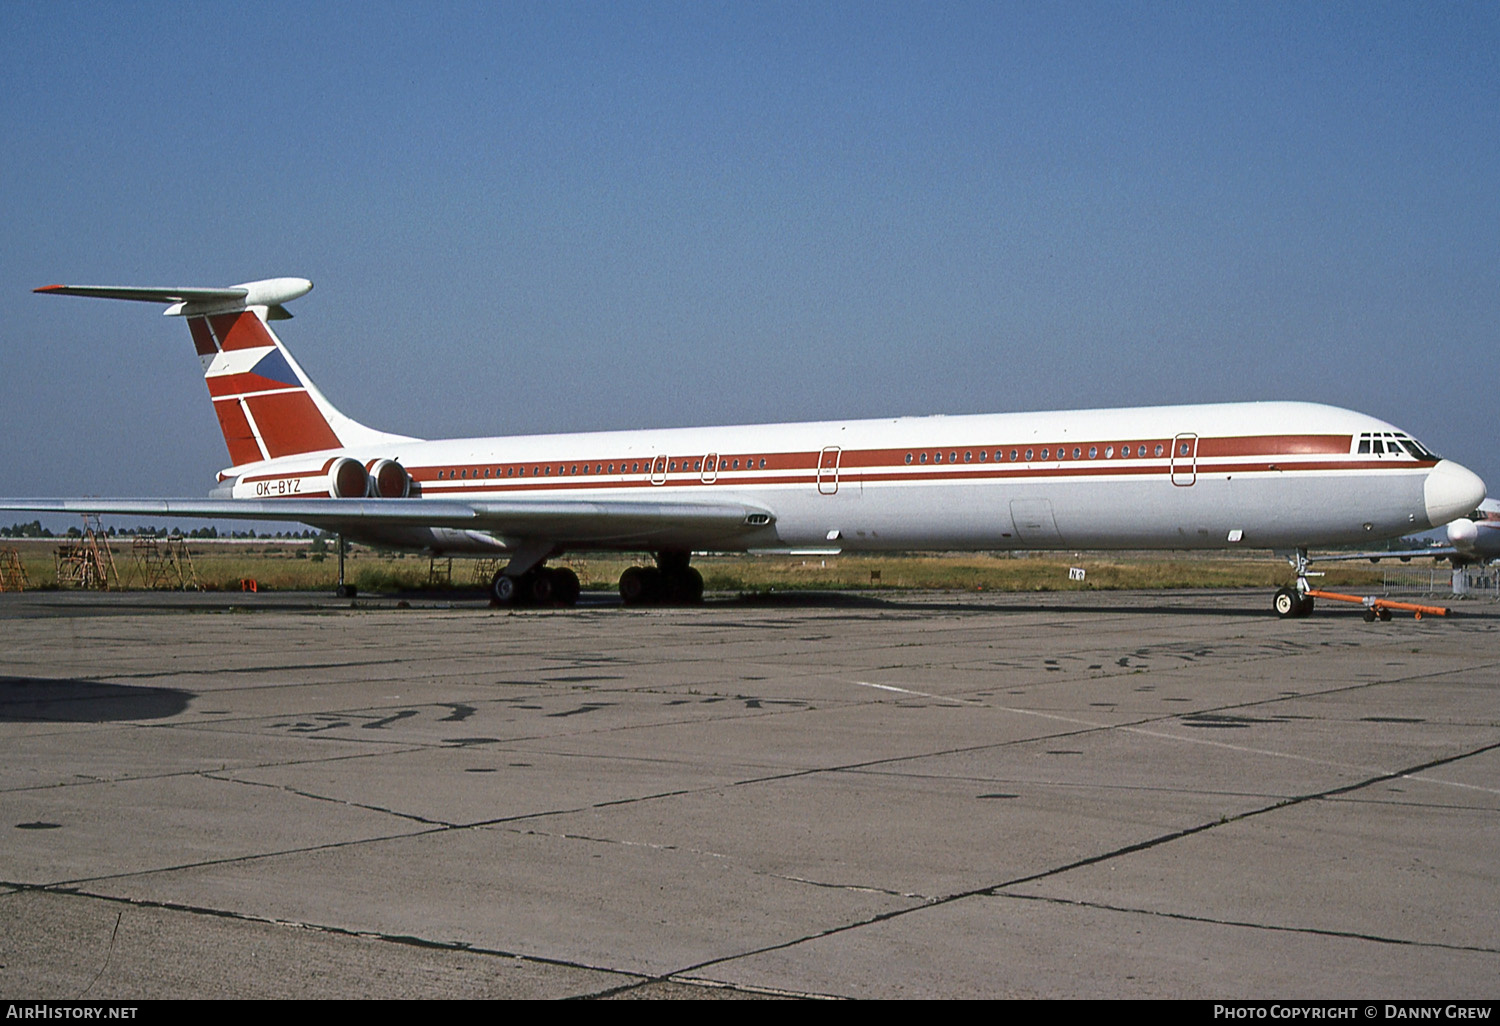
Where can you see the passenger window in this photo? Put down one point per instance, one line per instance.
(908, 458)
(1044, 453)
(1093, 452)
(1159, 449)
(1077, 452)
(1109, 452)
(953, 457)
(1013, 455)
(968, 457)
(924, 457)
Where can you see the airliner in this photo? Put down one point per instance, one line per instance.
(1256, 475)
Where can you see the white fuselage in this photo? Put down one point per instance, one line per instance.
(1241, 475)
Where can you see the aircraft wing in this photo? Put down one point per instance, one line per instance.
(556, 519)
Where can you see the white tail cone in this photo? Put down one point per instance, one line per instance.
(1451, 491)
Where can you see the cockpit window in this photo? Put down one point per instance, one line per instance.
(1386, 443)
(1417, 449)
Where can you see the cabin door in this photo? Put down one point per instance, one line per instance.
(828, 470)
(1185, 460)
(1034, 523)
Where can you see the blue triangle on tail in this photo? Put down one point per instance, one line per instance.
(273, 366)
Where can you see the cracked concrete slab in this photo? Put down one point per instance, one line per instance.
(1085, 795)
(73, 947)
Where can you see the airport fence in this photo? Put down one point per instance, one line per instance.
(1480, 582)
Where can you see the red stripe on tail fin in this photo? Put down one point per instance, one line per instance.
(241, 330)
(237, 434)
(289, 423)
(203, 339)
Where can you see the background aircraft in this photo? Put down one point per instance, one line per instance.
(1472, 539)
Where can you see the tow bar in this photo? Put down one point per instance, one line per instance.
(1380, 607)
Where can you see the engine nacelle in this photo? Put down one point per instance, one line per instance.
(348, 479)
(388, 480)
(339, 478)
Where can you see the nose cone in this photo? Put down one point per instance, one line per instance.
(1451, 491)
(1462, 534)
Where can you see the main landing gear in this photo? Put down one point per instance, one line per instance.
(539, 586)
(670, 582)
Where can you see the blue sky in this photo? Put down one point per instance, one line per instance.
(543, 217)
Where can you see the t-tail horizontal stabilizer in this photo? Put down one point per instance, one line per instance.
(270, 293)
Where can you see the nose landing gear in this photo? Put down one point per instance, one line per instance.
(1290, 603)
(1295, 602)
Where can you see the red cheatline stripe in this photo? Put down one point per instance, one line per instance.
(1274, 445)
(481, 485)
(289, 474)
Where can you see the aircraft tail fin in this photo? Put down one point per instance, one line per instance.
(266, 404)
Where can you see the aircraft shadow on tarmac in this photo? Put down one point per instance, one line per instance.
(62, 700)
(1252, 604)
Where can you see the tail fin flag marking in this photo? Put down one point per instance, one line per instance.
(252, 372)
